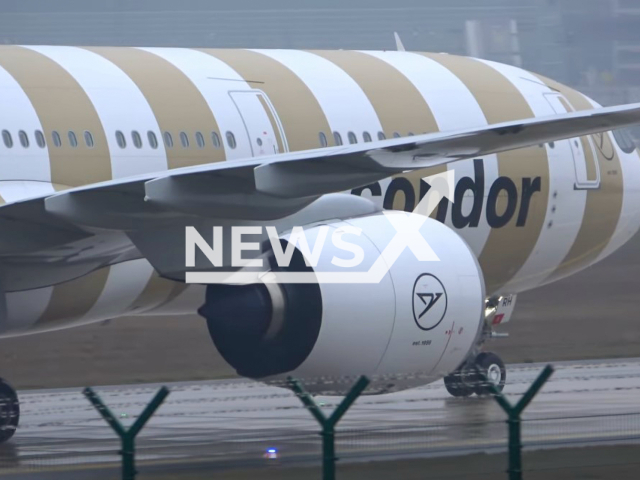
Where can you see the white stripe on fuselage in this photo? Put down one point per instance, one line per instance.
(17, 113)
(126, 282)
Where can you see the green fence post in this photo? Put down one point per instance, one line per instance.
(127, 437)
(328, 424)
(513, 413)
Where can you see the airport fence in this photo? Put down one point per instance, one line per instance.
(276, 431)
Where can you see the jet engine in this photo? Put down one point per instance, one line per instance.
(408, 323)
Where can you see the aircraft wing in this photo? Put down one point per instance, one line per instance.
(275, 186)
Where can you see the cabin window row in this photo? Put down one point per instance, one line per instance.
(352, 138)
(185, 141)
(198, 140)
(25, 140)
(136, 139)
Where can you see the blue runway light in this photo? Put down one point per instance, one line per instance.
(271, 454)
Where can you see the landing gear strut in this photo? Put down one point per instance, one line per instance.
(9, 411)
(465, 381)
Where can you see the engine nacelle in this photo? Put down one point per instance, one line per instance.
(414, 326)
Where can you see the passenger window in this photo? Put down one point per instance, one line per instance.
(338, 138)
(411, 134)
(73, 141)
(199, 140)
(122, 142)
(352, 138)
(88, 139)
(55, 136)
(381, 136)
(396, 135)
(137, 140)
(366, 137)
(168, 140)
(231, 140)
(40, 139)
(184, 139)
(24, 139)
(624, 141)
(153, 140)
(215, 138)
(6, 138)
(323, 140)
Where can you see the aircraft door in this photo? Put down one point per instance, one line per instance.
(585, 158)
(264, 130)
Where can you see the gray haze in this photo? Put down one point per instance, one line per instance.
(590, 44)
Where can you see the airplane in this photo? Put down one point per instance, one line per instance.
(108, 155)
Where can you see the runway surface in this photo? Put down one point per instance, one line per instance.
(227, 423)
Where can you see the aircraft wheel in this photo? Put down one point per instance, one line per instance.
(493, 368)
(457, 384)
(9, 411)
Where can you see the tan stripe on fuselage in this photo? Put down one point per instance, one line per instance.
(509, 247)
(72, 300)
(586, 147)
(604, 205)
(300, 113)
(61, 105)
(399, 105)
(175, 101)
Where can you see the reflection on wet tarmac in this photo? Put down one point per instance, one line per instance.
(236, 421)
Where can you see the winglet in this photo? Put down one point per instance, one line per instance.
(399, 44)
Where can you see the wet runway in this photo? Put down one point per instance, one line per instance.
(227, 423)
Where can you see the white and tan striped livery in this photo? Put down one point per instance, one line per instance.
(73, 117)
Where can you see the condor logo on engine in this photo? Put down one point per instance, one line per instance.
(429, 301)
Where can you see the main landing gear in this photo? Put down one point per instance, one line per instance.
(9, 411)
(465, 381)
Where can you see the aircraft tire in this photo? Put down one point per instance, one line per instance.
(494, 369)
(9, 411)
(456, 386)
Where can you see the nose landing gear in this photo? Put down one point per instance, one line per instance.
(9, 411)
